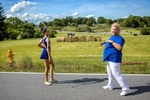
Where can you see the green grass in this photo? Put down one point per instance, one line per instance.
(77, 57)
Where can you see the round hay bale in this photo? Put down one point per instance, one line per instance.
(60, 39)
(69, 39)
(75, 39)
(97, 38)
(82, 39)
(91, 38)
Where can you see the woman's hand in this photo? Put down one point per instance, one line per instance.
(102, 43)
(110, 41)
(117, 46)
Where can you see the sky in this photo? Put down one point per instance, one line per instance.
(46, 10)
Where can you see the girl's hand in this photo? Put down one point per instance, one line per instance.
(50, 60)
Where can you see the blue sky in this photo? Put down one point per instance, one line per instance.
(46, 10)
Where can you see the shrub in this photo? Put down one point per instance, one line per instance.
(145, 31)
(25, 63)
(53, 32)
(88, 29)
(134, 34)
(79, 29)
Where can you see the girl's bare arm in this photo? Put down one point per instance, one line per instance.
(48, 48)
(40, 44)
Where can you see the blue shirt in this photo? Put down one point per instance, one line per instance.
(110, 52)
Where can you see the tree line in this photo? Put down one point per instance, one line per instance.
(15, 28)
(131, 21)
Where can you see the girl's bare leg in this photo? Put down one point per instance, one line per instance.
(52, 72)
(46, 64)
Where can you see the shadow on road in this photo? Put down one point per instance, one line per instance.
(139, 89)
(83, 81)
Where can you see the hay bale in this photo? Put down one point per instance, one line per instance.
(82, 39)
(91, 38)
(69, 39)
(60, 39)
(97, 38)
(75, 39)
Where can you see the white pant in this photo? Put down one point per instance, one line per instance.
(113, 70)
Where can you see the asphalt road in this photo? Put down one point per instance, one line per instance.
(30, 86)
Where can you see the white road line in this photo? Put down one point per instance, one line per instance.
(71, 73)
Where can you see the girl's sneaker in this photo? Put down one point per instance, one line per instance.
(48, 83)
(53, 81)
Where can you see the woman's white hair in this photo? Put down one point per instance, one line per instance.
(116, 25)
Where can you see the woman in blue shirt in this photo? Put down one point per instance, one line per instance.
(113, 55)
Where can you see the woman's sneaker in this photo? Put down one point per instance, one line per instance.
(47, 83)
(108, 87)
(124, 92)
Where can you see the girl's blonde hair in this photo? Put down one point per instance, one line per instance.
(116, 25)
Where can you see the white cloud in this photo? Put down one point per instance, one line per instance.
(35, 17)
(126, 16)
(21, 5)
(88, 16)
(32, 8)
(9, 15)
(75, 14)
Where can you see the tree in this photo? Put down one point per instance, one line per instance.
(56, 22)
(126, 23)
(133, 21)
(109, 21)
(50, 23)
(89, 23)
(76, 22)
(101, 20)
(69, 19)
(63, 22)
(2, 23)
(14, 25)
(27, 30)
(91, 19)
(18, 29)
(146, 20)
(84, 20)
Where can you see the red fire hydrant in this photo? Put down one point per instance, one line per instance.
(10, 56)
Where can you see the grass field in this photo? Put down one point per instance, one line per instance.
(77, 57)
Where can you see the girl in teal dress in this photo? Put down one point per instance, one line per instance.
(46, 55)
